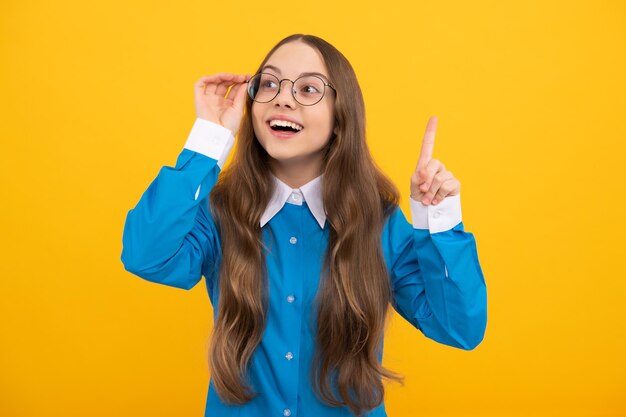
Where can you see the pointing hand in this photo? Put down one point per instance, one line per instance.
(431, 182)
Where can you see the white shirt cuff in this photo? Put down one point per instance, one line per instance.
(438, 218)
(210, 139)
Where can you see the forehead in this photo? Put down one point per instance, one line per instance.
(294, 58)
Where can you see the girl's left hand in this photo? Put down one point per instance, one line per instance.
(431, 182)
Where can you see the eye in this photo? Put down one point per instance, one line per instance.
(268, 84)
(310, 89)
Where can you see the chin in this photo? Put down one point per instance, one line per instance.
(284, 157)
(276, 147)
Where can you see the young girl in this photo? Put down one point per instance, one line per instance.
(301, 240)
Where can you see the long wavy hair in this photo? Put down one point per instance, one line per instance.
(355, 292)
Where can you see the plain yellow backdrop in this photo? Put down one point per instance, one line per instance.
(96, 96)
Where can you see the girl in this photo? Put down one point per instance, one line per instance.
(301, 240)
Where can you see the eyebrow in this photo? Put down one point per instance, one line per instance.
(301, 74)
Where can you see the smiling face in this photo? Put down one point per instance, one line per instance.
(295, 156)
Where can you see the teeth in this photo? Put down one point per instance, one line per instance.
(285, 123)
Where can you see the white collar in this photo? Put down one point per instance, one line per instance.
(311, 192)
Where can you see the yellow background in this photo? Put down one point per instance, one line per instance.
(97, 96)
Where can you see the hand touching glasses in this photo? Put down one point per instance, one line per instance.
(213, 104)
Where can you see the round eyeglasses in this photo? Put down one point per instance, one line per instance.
(306, 90)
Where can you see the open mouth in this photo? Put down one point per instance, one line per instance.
(284, 128)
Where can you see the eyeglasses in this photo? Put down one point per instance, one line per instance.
(306, 90)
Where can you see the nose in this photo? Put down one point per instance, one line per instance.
(285, 96)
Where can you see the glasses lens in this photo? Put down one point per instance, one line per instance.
(263, 87)
(309, 90)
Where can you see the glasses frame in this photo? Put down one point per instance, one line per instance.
(293, 91)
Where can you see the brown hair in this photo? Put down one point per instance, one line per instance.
(355, 291)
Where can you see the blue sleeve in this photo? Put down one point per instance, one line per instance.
(170, 237)
(438, 284)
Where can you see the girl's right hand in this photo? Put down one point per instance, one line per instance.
(213, 105)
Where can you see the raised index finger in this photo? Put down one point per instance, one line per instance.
(428, 143)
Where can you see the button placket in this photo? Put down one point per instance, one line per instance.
(296, 259)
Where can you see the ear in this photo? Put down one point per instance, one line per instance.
(335, 125)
